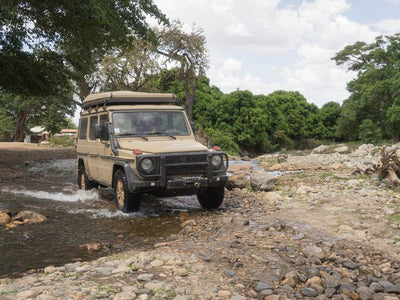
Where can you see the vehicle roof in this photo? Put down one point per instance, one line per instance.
(127, 97)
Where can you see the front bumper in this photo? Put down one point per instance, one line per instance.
(182, 185)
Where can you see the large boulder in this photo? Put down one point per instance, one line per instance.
(30, 217)
(262, 181)
(239, 181)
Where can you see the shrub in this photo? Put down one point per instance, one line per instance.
(64, 141)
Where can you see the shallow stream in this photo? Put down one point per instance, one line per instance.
(76, 218)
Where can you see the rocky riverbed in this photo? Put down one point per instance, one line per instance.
(328, 229)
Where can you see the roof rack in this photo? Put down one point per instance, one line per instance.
(127, 97)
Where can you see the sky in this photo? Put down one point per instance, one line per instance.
(264, 46)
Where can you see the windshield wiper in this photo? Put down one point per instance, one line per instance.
(160, 132)
(132, 134)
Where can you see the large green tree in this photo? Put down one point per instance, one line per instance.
(78, 32)
(44, 45)
(375, 92)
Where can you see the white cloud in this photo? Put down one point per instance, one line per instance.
(388, 26)
(239, 30)
(232, 65)
(263, 46)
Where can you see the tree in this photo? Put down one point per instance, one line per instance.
(133, 68)
(189, 51)
(376, 87)
(44, 45)
(45, 111)
(329, 115)
(77, 32)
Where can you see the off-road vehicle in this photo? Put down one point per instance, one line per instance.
(141, 143)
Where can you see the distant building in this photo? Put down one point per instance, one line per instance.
(69, 132)
(39, 134)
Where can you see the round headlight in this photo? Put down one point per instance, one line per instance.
(147, 165)
(216, 161)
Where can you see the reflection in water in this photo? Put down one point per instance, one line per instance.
(78, 217)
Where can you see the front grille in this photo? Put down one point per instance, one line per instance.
(186, 165)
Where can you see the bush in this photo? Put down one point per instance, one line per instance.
(369, 132)
(225, 141)
(64, 141)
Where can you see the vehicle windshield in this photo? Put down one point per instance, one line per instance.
(149, 123)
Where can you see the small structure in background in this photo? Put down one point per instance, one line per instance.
(39, 134)
(68, 132)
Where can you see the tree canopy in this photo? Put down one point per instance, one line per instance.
(375, 92)
(68, 33)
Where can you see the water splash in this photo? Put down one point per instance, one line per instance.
(78, 196)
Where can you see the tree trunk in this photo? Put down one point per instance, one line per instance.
(190, 94)
(19, 133)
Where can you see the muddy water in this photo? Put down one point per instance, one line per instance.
(76, 218)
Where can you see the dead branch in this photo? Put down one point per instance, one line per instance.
(389, 166)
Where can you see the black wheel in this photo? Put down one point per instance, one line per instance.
(83, 181)
(125, 200)
(211, 198)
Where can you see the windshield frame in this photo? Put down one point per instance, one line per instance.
(143, 133)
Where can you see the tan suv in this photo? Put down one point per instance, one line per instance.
(140, 143)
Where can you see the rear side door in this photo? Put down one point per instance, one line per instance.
(105, 154)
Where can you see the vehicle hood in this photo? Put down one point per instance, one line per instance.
(163, 145)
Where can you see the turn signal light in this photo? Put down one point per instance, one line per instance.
(137, 152)
(216, 148)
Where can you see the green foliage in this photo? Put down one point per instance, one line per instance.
(223, 139)
(241, 122)
(22, 112)
(369, 132)
(373, 94)
(41, 40)
(63, 141)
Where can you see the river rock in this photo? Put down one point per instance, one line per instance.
(314, 251)
(240, 168)
(237, 181)
(4, 218)
(29, 217)
(262, 181)
(342, 149)
(320, 149)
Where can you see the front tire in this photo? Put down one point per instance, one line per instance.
(125, 200)
(211, 198)
(83, 180)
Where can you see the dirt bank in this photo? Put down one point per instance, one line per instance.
(15, 155)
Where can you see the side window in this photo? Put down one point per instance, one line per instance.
(93, 121)
(83, 128)
(104, 134)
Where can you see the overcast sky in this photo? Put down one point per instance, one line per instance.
(263, 46)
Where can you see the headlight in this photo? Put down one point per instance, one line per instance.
(216, 161)
(147, 165)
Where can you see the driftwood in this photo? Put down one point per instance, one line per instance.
(389, 166)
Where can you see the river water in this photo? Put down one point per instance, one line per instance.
(77, 217)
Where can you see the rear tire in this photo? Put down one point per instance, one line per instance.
(125, 200)
(211, 198)
(83, 180)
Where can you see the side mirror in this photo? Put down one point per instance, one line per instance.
(192, 126)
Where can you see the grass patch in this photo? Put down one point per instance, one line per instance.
(324, 176)
(395, 217)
